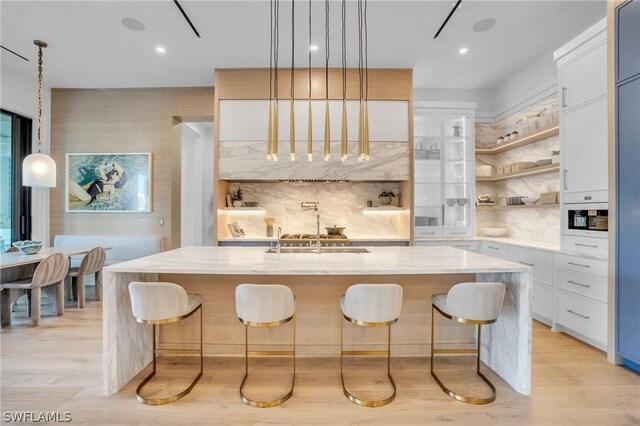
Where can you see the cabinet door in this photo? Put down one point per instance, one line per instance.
(628, 41)
(628, 221)
(585, 78)
(584, 140)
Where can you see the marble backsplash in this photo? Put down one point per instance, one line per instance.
(341, 204)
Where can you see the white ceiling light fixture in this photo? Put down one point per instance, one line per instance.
(39, 170)
(463, 50)
(132, 24)
(484, 25)
(161, 49)
(313, 48)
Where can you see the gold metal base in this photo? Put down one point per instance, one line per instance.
(361, 401)
(274, 402)
(156, 352)
(452, 394)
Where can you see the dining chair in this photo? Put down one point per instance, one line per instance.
(49, 277)
(91, 263)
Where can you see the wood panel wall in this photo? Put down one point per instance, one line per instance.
(125, 120)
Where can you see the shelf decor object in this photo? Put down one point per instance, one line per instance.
(534, 171)
(39, 170)
(544, 133)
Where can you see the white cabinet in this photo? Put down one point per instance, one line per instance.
(247, 120)
(542, 263)
(443, 173)
(584, 157)
(492, 249)
(584, 77)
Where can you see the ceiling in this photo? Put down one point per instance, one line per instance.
(89, 47)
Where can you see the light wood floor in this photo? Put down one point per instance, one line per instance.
(58, 367)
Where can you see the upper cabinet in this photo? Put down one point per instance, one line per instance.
(247, 120)
(628, 40)
(582, 70)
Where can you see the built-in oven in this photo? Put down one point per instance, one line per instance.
(586, 219)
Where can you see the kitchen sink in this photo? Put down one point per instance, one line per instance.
(356, 250)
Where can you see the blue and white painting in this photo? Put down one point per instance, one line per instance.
(109, 182)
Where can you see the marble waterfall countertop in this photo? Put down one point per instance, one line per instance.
(255, 260)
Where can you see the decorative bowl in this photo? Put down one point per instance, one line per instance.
(251, 203)
(28, 246)
(530, 200)
(494, 232)
(462, 201)
(451, 202)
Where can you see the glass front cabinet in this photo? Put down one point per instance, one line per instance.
(444, 177)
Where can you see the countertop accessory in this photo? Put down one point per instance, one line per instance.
(251, 203)
(386, 197)
(235, 229)
(494, 232)
(28, 246)
(335, 230)
(269, 221)
(530, 200)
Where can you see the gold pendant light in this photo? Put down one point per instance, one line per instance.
(292, 115)
(365, 137)
(276, 105)
(344, 146)
(327, 118)
(310, 117)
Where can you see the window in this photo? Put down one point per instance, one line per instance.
(15, 199)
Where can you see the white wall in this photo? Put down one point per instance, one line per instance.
(19, 94)
(196, 215)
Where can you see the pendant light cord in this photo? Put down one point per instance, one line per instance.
(366, 52)
(344, 50)
(39, 99)
(326, 41)
(276, 50)
(309, 49)
(293, 46)
(270, 51)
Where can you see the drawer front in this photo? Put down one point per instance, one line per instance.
(582, 315)
(495, 250)
(426, 231)
(458, 233)
(542, 303)
(586, 197)
(584, 285)
(540, 261)
(582, 264)
(597, 246)
(430, 243)
(464, 245)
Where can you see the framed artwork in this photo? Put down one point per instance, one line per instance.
(110, 182)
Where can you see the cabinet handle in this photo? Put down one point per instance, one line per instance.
(578, 264)
(565, 175)
(564, 97)
(528, 264)
(494, 248)
(577, 314)
(580, 284)
(458, 233)
(462, 245)
(585, 245)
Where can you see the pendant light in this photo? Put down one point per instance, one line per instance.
(270, 124)
(39, 170)
(365, 137)
(310, 117)
(292, 118)
(327, 118)
(275, 138)
(344, 147)
(361, 148)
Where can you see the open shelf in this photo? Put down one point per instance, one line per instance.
(540, 170)
(383, 209)
(243, 209)
(544, 133)
(520, 206)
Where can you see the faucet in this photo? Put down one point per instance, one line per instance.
(278, 243)
(318, 233)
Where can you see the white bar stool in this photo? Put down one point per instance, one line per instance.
(468, 303)
(370, 305)
(265, 305)
(164, 303)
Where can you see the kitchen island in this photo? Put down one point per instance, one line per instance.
(317, 280)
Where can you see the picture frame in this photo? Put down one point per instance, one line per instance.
(108, 182)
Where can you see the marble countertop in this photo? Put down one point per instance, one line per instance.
(370, 238)
(255, 261)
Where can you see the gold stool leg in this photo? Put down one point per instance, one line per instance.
(172, 398)
(452, 394)
(360, 401)
(247, 353)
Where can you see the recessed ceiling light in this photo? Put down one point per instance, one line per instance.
(132, 24)
(484, 25)
(313, 47)
(160, 49)
(463, 50)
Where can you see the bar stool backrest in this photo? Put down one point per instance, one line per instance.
(51, 270)
(92, 262)
(373, 302)
(476, 301)
(264, 303)
(155, 301)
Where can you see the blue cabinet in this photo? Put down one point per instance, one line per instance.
(628, 183)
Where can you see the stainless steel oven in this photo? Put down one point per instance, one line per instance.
(586, 219)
